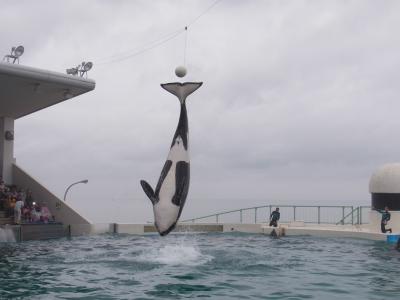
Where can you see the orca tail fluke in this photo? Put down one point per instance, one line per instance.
(149, 191)
(181, 90)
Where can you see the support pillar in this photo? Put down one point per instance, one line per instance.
(6, 148)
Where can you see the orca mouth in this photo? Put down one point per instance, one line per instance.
(165, 232)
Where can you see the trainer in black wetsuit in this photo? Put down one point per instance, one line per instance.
(275, 216)
(385, 219)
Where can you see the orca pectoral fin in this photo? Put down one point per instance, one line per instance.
(149, 191)
(182, 176)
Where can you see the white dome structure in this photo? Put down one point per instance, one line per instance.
(386, 179)
(384, 187)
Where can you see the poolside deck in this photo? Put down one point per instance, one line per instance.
(48, 231)
(355, 231)
(28, 232)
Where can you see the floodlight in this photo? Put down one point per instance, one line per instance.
(16, 52)
(72, 71)
(19, 51)
(88, 66)
(66, 191)
(81, 69)
(85, 67)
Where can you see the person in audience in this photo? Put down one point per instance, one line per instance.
(35, 213)
(3, 195)
(22, 206)
(13, 192)
(22, 194)
(9, 205)
(45, 213)
(29, 198)
(26, 214)
(18, 210)
(2, 200)
(2, 186)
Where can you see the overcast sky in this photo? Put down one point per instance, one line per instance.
(300, 102)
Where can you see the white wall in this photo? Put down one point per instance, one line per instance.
(376, 217)
(62, 212)
(6, 149)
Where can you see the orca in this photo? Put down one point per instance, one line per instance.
(172, 188)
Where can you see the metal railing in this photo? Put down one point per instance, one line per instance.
(357, 216)
(322, 214)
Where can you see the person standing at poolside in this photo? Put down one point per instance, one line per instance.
(385, 219)
(274, 217)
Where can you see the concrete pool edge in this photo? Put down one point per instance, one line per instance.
(44, 231)
(290, 230)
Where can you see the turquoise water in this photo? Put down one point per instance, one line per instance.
(215, 266)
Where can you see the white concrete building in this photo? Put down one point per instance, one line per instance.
(25, 90)
(384, 187)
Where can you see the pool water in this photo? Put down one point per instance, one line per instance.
(216, 266)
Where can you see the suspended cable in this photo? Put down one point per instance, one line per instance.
(190, 24)
(132, 53)
(119, 58)
(203, 13)
(185, 47)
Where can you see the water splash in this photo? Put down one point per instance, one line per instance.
(6, 235)
(176, 251)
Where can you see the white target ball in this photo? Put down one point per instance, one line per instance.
(180, 71)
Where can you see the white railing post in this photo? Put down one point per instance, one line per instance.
(352, 215)
(342, 215)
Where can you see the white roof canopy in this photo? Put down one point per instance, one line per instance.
(24, 90)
